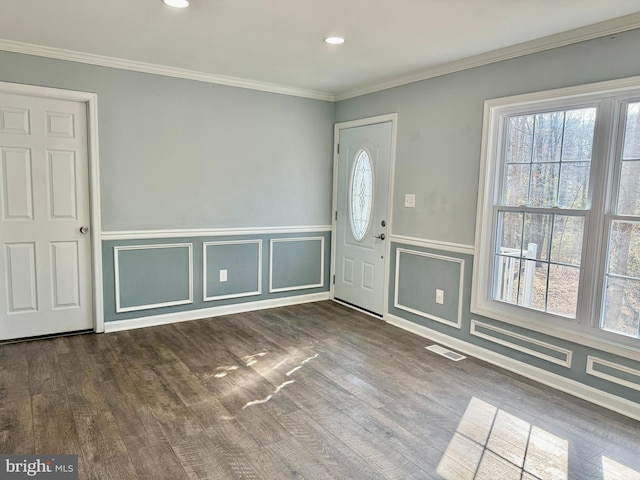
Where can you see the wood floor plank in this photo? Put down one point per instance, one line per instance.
(298, 463)
(16, 421)
(235, 446)
(179, 426)
(337, 456)
(44, 373)
(141, 434)
(310, 391)
(389, 463)
(55, 430)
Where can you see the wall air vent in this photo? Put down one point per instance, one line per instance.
(445, 352)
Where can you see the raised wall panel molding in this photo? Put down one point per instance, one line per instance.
(434, 244)
(155, 69)
(565, 361)
(116, 250)
(233, 295)
(204, 313)
(564, 384)
(210, 232)
(591, 361)
(397, 304)
(297, 287)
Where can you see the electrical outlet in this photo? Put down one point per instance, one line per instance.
(439, 296)
(410, 200)
(223, 275)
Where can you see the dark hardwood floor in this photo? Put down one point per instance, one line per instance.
(314, 391)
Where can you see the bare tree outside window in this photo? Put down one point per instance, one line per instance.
(621, 312)
(547, 161)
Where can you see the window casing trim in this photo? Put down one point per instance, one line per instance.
(607, 97)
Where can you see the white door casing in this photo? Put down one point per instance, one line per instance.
(46, 281)
(360, 253)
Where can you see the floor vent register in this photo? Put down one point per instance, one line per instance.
(445, 352)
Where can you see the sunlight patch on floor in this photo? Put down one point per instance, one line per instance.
(224, 371)
(491, 443)
(252, 360)
(612, 470)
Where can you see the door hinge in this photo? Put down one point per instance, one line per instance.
(334, 279)
(338, 149)
(336, 215)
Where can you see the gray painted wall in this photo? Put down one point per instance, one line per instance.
(184, 154)
(440, 127)
(438, 158)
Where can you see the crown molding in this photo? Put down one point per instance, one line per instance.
(155, 69)
(589, 32)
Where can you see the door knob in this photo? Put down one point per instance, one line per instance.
(84, 229)
(381, 236)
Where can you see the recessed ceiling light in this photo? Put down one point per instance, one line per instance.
(334, 40)
(176, 3)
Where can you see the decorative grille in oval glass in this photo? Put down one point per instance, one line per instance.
(361, 195)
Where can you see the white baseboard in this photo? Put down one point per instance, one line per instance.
(566, 385)
(155, 320)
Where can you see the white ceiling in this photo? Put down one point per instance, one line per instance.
(278, 43)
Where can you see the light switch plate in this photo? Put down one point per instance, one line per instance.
(410, 200)
(223, 275)
(439, 296)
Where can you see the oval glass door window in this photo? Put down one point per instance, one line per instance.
(361, 195)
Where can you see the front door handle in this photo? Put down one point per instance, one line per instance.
(381, 236)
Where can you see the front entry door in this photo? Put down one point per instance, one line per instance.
(45, 246)
(362, 200)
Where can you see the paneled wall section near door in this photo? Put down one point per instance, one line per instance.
(418, 271)
(155, 279)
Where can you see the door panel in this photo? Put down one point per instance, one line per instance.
(21, 277)
(362, 209)
(45, 261)
(62, 185)
(16, 184)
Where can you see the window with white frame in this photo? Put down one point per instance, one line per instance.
(558, 227)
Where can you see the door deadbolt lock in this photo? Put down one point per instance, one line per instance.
(381, 236)
(84, 229)
(383, 223)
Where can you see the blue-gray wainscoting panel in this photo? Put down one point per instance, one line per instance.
(242, 262)
(420, 274)
(297, 267)
(297, 263)
(153, 275)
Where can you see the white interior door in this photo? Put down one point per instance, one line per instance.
(362, 202)
(45, 258)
